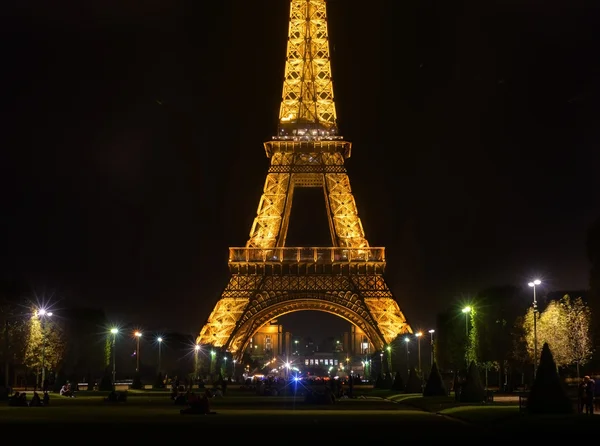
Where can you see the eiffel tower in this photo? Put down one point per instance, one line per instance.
(269, 279)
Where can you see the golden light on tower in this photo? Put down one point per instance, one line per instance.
(268, 278)
(307, 86)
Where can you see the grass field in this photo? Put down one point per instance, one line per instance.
(152, 417)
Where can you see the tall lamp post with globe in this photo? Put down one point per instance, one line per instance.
(114, 332)
(42, 315)
(533, 284)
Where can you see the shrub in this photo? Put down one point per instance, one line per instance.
(388, 381)
(398, 384)
(435, 385)
(90, 381)
(547, 392)
(106, 382)
(380, 382)
(413, 383)
(159, 384)
(137, 381)
(472, 390)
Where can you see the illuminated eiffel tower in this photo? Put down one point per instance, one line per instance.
(269, 279)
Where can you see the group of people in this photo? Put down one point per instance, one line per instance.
(20, 399)
(66, 390)
(586, 393)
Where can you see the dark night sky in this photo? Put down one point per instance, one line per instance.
(132, 146)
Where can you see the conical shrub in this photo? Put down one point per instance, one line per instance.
(472, 390)
(398, 384)
(380, 382)
(413, 383)
(106, 383)
(435, 384)
(388, 381)
(547, 393)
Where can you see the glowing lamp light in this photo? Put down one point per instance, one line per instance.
(114, 330)
(419, 334)
(159, 339)
(296, 379)
(466, 310)
(431, 331)
(535, 282)
(407, 339)
(196, 347)
(138, 334)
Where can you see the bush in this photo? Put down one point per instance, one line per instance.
(398, 384)
(159, 384)
(90, 381)
(413, 383)
(547, 392)
(472, 390)
(388, 381)
(435, 384)
(137, 381)
(106, 382)
(380, 382)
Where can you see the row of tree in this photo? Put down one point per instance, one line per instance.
(501, 333)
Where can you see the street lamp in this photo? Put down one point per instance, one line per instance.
(138, 335)
(114, 332)
(389, 349)
(159, 340)
(418, 335)
(196, 350)
(467, 310)
(42, 314)
(533, 284)
(234, 361)
(431, 332)
(407, 340)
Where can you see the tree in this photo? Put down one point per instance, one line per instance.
(579, 322)
(547, 393)
(450, 339)
(413, 383)
(472, 390)
(566, 326)
(398, 384)
(435, 384)
(45, 343)
(380, 382)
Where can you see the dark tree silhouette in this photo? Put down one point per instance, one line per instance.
(380, 382)
(398, 384)
(413, 383)
(137, 381)
(388, 381)
(472, 390)
(159, 384)
(547, 393)
(106, 381)
(435, 384)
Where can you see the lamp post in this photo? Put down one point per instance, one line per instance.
(196, 350)
(535, 355)
(138, 335)
(234, 361)
(296, 342)
(466, 310)
(431, 332)
(42, 314)
(389, 350)
(159, 340)
(114, 332)
(418, 335)
(406, 341)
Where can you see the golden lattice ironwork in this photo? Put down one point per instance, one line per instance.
(307, 85)
(269, 279)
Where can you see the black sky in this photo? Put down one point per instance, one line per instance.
(132, 145)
